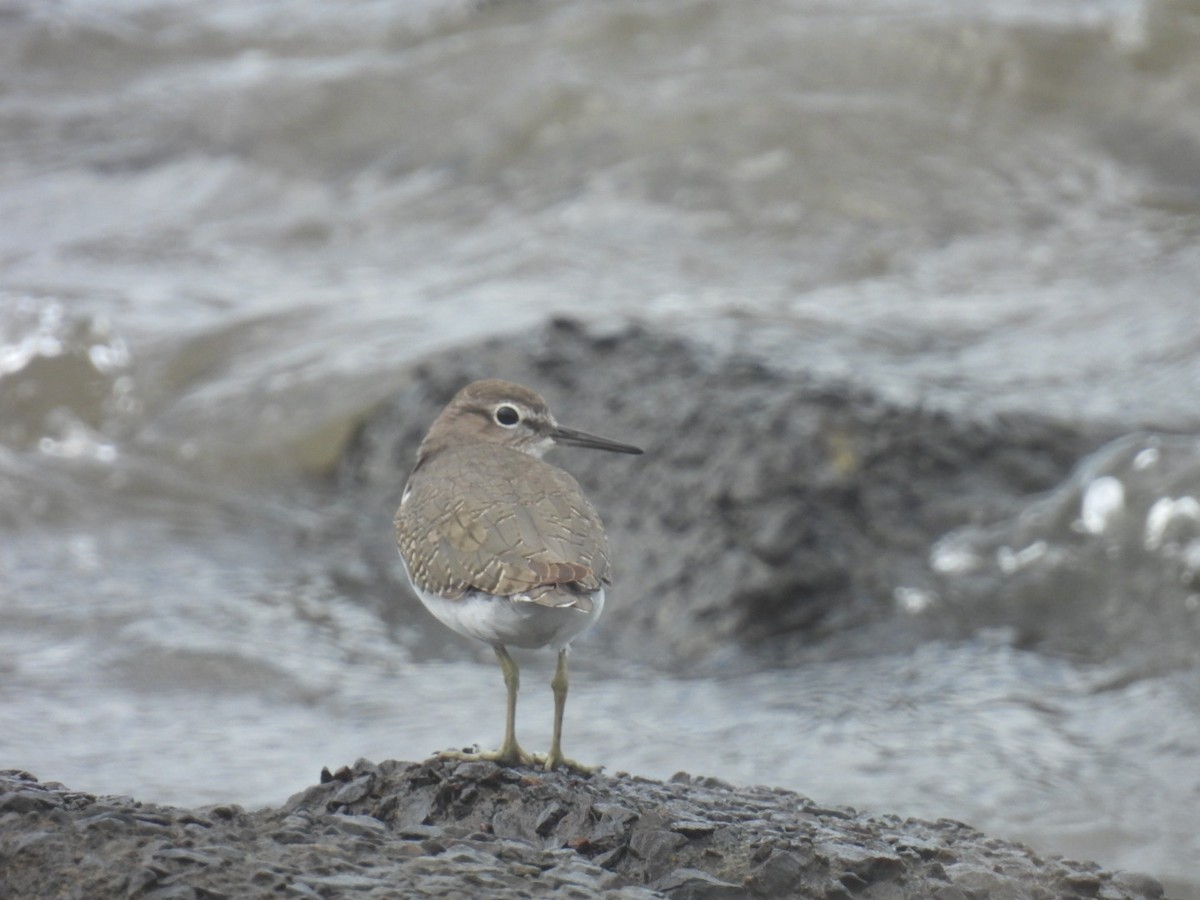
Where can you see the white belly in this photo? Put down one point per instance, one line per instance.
(511, 622)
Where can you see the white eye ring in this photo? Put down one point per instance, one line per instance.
(507, 416)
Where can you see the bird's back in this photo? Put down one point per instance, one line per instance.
(487, 518)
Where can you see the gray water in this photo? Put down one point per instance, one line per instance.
(226, 228)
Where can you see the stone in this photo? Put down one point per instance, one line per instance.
(345, 881)
(352, 792)
(696, 884)
(866, 864)
(182, 854)
(1137, 883)
(177, 891)
(616, 838)
(654, 844)
(693, 828)
(27, 801)
(363, 826)
(549, 817)
(778, 874)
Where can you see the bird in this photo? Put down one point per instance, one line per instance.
(502, 546)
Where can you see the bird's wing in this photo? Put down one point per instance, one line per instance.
(472, 522)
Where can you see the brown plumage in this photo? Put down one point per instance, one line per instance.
(475, 518)
(501, 546)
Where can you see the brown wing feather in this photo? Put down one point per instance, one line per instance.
(476, 518)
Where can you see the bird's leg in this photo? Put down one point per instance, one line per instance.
(510, 752)
(559, 684)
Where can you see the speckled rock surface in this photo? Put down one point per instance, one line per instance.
(473, 829)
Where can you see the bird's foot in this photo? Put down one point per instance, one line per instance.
(555, 759)
(510, 756)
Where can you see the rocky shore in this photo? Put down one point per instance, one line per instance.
(772, 520)
(473, 829)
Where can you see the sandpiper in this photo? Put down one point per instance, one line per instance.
(500, 545)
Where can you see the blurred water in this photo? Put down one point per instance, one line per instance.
(245, 697)
(1106, 567)
(227, 227)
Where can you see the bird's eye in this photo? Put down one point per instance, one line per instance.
(507, 416)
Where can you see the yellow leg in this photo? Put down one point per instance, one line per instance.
(510, 752)
(560, 684)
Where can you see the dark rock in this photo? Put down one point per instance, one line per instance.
(363, 826)
(549, 818)
(152, 820)
(1137, 884)
(142, 880)
(419, 832)
(479, 771)
(814, 534)
(32, 839)
(300, 889)
(614, 818)
(293, 836)
(779, 874)
(655, 845)
(15, 777)
(610, 859)
(951, 893)
(696, 884)
(352, 792)
(225, 811)
(108, 821)
(693, 828)
(866, 865)
(346, 881)
(178, 891)
(580, 875)
(556, 835)
(1086, 884)
(185, 855)
(27, 801)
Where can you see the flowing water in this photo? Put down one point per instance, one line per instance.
(227, 227)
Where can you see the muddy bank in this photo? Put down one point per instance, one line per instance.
(451, 829)
(773, 512)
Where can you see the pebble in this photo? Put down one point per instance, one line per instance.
(693, 828)
(864, 863)
(27, 801)
(655, 844)
(779, 873)
(363, 826)
(345, 881)
(300, 889)
(224, 811)
(696, 884)
(549, 817)
(179, 891)
(352, 792)
(181, 854)
(108, 821)
(293, 836)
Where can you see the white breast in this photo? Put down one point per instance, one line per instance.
(511, 621)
